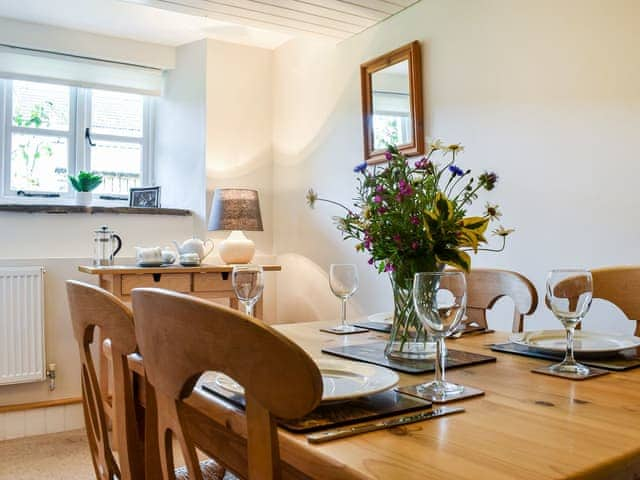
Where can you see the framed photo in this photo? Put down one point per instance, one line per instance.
(144, 197)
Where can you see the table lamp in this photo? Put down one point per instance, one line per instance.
(236, 209)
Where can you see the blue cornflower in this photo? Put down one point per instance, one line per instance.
(360, 168)
(456, 171)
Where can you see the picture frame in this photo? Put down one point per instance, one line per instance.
(144, 197)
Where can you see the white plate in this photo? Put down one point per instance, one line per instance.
(341, 380)
(384, 317)
(584, 341)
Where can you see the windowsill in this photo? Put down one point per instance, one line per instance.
(92, 209)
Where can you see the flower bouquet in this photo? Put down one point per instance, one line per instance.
(411, 216)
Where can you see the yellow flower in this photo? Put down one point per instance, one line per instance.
(453, 148)
(503, 232)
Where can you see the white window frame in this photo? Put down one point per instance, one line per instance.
(78, 146)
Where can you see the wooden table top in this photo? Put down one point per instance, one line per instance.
(526, 426)
(133, 269)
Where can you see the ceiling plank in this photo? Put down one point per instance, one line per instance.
(347, 7)
(276, 10)
(312, 9)
(243, 17)
(379, 5)
(335, 19)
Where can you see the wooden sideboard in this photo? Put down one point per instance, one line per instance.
(211, 282)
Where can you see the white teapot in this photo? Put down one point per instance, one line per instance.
(195, 245)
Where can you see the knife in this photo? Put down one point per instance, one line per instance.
(328, 435)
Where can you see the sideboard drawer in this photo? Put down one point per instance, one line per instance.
(212, 282)
(179, 282)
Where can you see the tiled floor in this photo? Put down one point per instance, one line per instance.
(58, 456)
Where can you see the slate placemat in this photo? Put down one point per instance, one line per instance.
(374, 353)
(385, 404)
(376, 326)
(625, 360)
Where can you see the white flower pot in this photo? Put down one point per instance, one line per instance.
(83, 198)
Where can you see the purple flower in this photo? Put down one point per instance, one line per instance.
(370, 261)
(488, 180)
(397, 238)
(456, 171)
(422, 164)
(388, 156)
(360, 168)
(379, 189)
(367, 243)
(414, 219)
(404, 188)
(377, 199)
(389, 267)
(382, 210)
(414, 245)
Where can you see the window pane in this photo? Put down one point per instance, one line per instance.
(119, 163)
(115, 113)
(39, 163)
(40, 105)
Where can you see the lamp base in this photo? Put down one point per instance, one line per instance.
(236, 248)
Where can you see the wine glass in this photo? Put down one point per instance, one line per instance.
(248, 283)
(343, 280)
(569, 296)
(440, 300)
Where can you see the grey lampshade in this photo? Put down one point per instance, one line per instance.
(235, 209)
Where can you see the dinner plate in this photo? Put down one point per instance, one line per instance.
(341, 380)
(583, 341)
(384, 317)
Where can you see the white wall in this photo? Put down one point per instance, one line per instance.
(180, 133)
(239, 135)
(544, 92)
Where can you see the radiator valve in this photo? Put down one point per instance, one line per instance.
(51, 375)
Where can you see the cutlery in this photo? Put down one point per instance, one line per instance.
(328, 435)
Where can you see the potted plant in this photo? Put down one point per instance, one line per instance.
(84, 183)
(411, 216)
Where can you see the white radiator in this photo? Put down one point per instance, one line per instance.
(22, 356)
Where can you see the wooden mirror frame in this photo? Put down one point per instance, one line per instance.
(410, 52)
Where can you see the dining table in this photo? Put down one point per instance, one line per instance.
(525, 426)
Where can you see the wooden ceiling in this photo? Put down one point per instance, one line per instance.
(336, 19)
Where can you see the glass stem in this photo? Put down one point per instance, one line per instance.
(568, 358)
(344, 312)
(441, 355)
(248, 308)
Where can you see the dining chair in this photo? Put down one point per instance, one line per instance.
(619, 285)
(92, 307)
(485, 286)
(181, 337)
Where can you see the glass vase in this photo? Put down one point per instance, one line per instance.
(409, 340)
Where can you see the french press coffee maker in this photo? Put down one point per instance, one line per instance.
(106, 244)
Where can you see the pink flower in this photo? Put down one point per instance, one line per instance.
(379, 188)
(397, 238)
(382, 210)
(414, 245)
(388, 156)
(389, 268)
(377, 199)
(415, 220)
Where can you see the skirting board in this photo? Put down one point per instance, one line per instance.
(31, 419)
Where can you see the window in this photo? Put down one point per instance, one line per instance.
(52, 131)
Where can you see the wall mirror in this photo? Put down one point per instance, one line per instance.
(392, 103)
